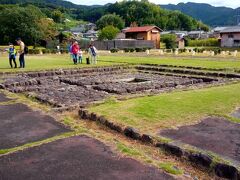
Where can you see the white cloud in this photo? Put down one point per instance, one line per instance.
(232, 3)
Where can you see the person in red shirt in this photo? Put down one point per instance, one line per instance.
(75, 49)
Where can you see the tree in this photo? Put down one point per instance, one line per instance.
(108, 33)
(169, 40)
(57, 16)
(146, 13)
(110, 19)
(28, 22)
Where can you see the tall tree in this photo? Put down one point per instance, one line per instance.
(110, 20)
(108, 33)
(25, 22)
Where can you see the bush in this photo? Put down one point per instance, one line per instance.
(53, 51)
(131, 49)
(204, 42)
(114, 50)
(126, 50)
(46, 51)
(34, 51)
(169, 40)
(64, 51)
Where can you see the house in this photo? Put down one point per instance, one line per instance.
(197, 35)
(150, 33)
(230, 37)
(91, 26)
(77, 30)
(91, 34)
(180, 43)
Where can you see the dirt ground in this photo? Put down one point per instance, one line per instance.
(3, 98)
(214, 134)
(78, 157)
(20, 125)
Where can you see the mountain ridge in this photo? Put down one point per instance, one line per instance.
(211, 15)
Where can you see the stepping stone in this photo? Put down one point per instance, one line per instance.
(20, 125)
(214, 134)
(236, 114)
(74, 158)
(3, 98)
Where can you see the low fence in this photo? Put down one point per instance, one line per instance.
(121, 44)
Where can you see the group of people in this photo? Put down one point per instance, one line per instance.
(77, 54)
(13, 53)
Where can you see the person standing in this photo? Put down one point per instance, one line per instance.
(92, 51)
(12, 55)
(80, 56)
(75, 49)
(21, 52)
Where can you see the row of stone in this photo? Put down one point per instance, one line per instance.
(221, 169)
(76, 71)
(187, 71)
(191, 67)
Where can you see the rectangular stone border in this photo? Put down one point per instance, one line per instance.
(189, 71)
(202, 159)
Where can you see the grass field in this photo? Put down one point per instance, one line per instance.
(63, 61)
(194, 62)
(44, 62)
(170, 110)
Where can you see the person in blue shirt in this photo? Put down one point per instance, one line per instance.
(12, 55)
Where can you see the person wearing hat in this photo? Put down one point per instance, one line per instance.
(21, 52)
(12, 55)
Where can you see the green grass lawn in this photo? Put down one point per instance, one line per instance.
(194, 62)
(169, 110)
(63, 61)
(44, 62)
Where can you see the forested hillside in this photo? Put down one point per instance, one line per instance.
(213, 16)
(36, 20)
(143, 12)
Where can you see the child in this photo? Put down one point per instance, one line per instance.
(12, 55)
(80, 56)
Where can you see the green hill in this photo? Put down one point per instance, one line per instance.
(213, 16)
(140, 12)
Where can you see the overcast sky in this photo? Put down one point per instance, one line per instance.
(227, 3)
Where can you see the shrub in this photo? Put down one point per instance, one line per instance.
(131, 49)
(53, 51)
(204, 42)
(34, 51)
(64, 51)
(46, 51)
(138, 49)
(126, 50)
(114, 50)
(169, 40)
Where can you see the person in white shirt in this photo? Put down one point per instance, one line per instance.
(92, 51)
(80, 56)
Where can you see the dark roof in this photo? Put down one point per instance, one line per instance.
(231, 29)
(141, 29)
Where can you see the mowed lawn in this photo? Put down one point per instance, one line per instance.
(170, 110)
(194, 62)
(44, 62)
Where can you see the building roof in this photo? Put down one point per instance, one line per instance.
(218, 29)
(231, 29)
(195, 32)
(141, 29)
